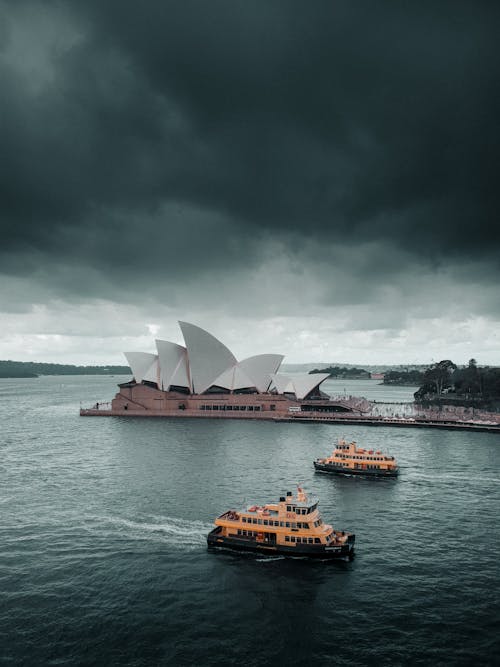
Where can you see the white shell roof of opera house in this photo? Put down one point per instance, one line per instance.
(206, 362)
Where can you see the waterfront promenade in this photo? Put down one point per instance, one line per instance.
(370, 413)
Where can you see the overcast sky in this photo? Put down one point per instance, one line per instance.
(313, 179)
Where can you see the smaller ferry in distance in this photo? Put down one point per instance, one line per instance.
(347, 459)
(291, 527)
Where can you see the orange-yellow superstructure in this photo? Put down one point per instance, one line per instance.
(293, 527)
(349, 459)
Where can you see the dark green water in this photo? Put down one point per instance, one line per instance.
(103, 557)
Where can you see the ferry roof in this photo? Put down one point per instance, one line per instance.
(310, 500)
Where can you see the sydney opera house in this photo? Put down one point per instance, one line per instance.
(203, 378)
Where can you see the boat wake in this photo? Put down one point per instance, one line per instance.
(177, 533)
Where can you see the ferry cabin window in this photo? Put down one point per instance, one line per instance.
(288, 508)
(317, 540)
(287, 539)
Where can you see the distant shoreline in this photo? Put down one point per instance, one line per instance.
(32, 369)
(42, 375)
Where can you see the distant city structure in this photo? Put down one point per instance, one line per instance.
(205, 365)
(204, 378)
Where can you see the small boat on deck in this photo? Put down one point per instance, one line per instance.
(348, 459)
(291, 527)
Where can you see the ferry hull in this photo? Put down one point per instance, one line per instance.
(368, 472)
(341, 552)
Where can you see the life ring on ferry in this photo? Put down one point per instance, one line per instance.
(253, 508)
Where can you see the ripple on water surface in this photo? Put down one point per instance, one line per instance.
(103, 525)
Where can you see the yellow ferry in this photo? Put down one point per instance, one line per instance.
(291, 527)
(347, 459)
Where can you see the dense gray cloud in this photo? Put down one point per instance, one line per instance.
(292, 157)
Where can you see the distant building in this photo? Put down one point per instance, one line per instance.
(377, 376)
(205, 365)
(204, 379)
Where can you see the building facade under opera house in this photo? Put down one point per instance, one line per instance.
(204, 379)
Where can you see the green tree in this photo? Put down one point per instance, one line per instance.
(437, 378)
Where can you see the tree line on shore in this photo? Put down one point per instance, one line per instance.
(342, 372)
(402, 377)
(32, 369)
(444, 381)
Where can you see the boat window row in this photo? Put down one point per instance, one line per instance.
(271, 522)
(251, 408)
(363, 458)
(367, 466)
(297, 510)
(248, 533)
(301, 510)
(302, 540)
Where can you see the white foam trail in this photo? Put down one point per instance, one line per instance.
(179, 533)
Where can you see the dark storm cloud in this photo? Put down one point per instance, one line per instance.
(176, 138)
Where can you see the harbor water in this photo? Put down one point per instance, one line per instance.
(103, 525)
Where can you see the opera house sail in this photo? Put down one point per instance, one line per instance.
(203, 378)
